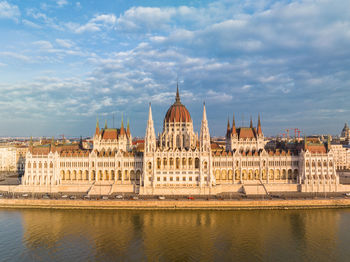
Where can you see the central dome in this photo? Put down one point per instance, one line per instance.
(177, 112)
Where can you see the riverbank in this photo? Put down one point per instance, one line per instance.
(176, 204)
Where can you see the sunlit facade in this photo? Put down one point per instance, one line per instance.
(179, 161)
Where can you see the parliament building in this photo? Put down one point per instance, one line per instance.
(179, 162)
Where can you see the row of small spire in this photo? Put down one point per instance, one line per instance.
(122, 130)
(233, 129)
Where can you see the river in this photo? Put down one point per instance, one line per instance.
(118, 235)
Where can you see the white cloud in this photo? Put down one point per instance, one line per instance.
(30, 23)
(65, 43)
(99, 22)
(61, 3)
(43, 18)
(145, 18)
(9, 11)
(43, 44)
(15, 55)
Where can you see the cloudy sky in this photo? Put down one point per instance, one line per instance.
(63, 63)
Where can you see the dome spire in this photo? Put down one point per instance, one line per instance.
(177, 98)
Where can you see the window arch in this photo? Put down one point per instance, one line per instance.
(196, 164)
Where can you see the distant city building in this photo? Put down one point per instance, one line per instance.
(179, 161)
(345, 133)
(8, 158)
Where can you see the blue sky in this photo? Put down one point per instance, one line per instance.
(63, 63)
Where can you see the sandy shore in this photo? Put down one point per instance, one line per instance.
(175, 204)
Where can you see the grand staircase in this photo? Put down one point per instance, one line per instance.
(255, 188)
(101, 188)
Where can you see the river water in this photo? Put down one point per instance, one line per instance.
(106, 235)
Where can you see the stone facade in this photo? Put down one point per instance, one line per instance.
(8, 158)
(180, 162)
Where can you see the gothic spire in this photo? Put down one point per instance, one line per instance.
(106, 124)
(128, 128)
(122, 131)
(251, 122)
(233, 125)
(228, 131)
(204, 133)
(97, 131)
(259, 126)
(150, 137)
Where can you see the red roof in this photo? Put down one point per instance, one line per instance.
(177, 112)
(246, 132)
(110, 133)
(316, 148)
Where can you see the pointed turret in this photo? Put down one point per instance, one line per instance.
(150, 137)
(259, 126)
(105, 124)
(128, 128)
(228, 130)
(204, 134)
(122, 130)
(97, 130)
(233, 130)
(251, 122)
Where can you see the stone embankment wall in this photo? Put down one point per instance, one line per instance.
(173, 204)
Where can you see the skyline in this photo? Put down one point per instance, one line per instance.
(78, 60)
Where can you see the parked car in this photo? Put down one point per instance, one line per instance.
(119, 197)
(347, 194)
(1, 195)
(64, 196)
(87, 197)
(161, 197)
(105, 197)
(190, 198)
(73, 197)
(135, 197)
(24, 195)
(46, 197)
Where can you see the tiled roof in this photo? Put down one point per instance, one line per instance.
(110, 133)
(316, 148)
(246, 132)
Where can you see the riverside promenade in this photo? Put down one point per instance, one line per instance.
(176, 204)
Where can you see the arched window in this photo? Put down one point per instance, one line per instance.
(177, 163)
(178, 142)
(158, 163)
(196, 164)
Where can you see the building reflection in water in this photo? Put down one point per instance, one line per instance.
(77, 235)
